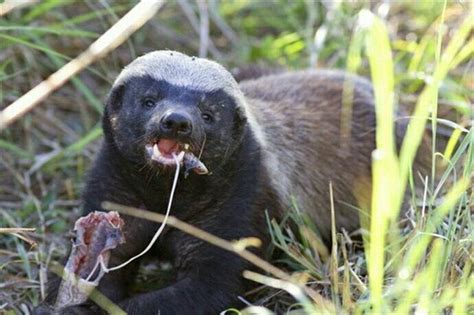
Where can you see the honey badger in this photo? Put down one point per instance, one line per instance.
(263, 141)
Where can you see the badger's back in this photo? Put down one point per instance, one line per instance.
(310, 141)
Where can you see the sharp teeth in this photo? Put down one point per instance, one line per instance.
(149, 149)
(156, 151)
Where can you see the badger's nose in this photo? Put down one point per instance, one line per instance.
(175, 124)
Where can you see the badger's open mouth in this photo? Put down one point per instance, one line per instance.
(163, 150)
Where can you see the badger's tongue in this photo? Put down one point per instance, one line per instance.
(164, 152)
(168, 147)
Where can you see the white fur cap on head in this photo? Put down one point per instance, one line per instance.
(191, 72)
(182, 70)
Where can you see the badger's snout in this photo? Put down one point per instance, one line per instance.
(170, 134)
(175, 124)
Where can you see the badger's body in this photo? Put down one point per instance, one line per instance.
(304, 150)
(264, 142)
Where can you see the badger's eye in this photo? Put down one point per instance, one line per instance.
(148, 103)
(207, 117)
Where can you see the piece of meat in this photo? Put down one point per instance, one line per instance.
(191, 162)
(96, 234)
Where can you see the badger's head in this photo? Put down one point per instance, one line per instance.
(165, 103)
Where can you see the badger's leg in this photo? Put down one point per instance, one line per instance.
(205, 287)
(209, 279)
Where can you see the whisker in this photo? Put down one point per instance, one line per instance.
(202, 147)
(143, 167)
(139, 139)
(152, 172)
(226, 151)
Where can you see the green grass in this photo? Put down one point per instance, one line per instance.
(419, 57)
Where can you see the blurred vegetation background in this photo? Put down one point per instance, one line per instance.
(45, 155)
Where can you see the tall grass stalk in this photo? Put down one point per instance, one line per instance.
(417, 124)
(385, 163)
(434, 105)
(390, 174)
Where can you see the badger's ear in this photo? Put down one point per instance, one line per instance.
(115, 98)
(240, 121)
(240, 115)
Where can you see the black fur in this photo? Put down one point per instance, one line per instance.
(229, 203)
